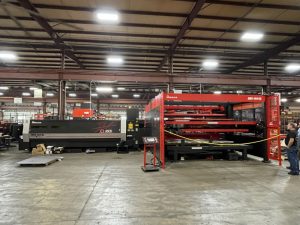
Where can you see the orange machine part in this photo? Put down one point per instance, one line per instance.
(82, 113)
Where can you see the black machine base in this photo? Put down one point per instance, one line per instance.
(175, 151)
(150, 168)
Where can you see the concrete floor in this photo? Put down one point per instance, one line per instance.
(107, 188)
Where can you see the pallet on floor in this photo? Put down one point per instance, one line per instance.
(40, 160)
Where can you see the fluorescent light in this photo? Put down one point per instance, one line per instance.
(217, 92)
(26, 94)
(252, 36)
(1, 93)
(293, 67)
(108, 81)
(115, 96)
(239, 92)
(108, 16)
(104, 89)
(283, 100)
(210, 64)
(33, 88)
(49, 94)
(8, 56)
(72, 95)
(136, 95)
(94, 94)
(115, 60)
(120, 88)
(4, 88)
(298, 100)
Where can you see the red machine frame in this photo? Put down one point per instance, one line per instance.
(272, 112)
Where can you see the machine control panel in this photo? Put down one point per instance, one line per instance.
(150, 140)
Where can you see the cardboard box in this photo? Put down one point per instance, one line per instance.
(37, 151)
(42, 146)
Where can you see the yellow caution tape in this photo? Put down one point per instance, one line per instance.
(209, 143)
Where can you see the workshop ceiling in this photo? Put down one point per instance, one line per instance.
(147, 29)
(147, 34)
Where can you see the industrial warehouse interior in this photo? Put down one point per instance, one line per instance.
(149, 112)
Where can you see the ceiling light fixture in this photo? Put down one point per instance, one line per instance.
(293, 67)
(72, 95)
(252, 36)
(120, 88)
(108, 81)
(108, 16)
(298, 100)
(115, 60)
(239, 92)
(115, 96)
(26, 94)
(210, 64)
(217, 92)
(1, 93)
(94, 94)
(104, 89)
(283, 100)
(136, 95)
(33, 88)
(8, 56)
(49, 94)
(4, 88)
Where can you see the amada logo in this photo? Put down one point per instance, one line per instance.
(171, 97)
(255, 98)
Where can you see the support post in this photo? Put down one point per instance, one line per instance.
(44, 107)
(171, 78)
(265, 144)
(98, 107)
(61, 99)
(62, 91)
(266, 74)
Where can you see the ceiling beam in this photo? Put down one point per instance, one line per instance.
(132, 44)
(138, 62)
(87, 57)
(187, 23)
(50, 31)
(139, 12)
(136, 43)
(77, 100)
(180, 54)
(142, 25)
(167, 14)
(269, 53)
(250, 4)
(146, 77)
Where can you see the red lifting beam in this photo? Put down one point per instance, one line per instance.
(193, 107)
(192, 114)
(213, 130)
(211, 123)
(199, 119)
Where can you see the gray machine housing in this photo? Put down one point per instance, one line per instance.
(74, 133)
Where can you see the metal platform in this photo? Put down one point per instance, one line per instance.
(150, 168)
(40, 160)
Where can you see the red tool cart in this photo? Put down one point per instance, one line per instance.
(246, 123)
